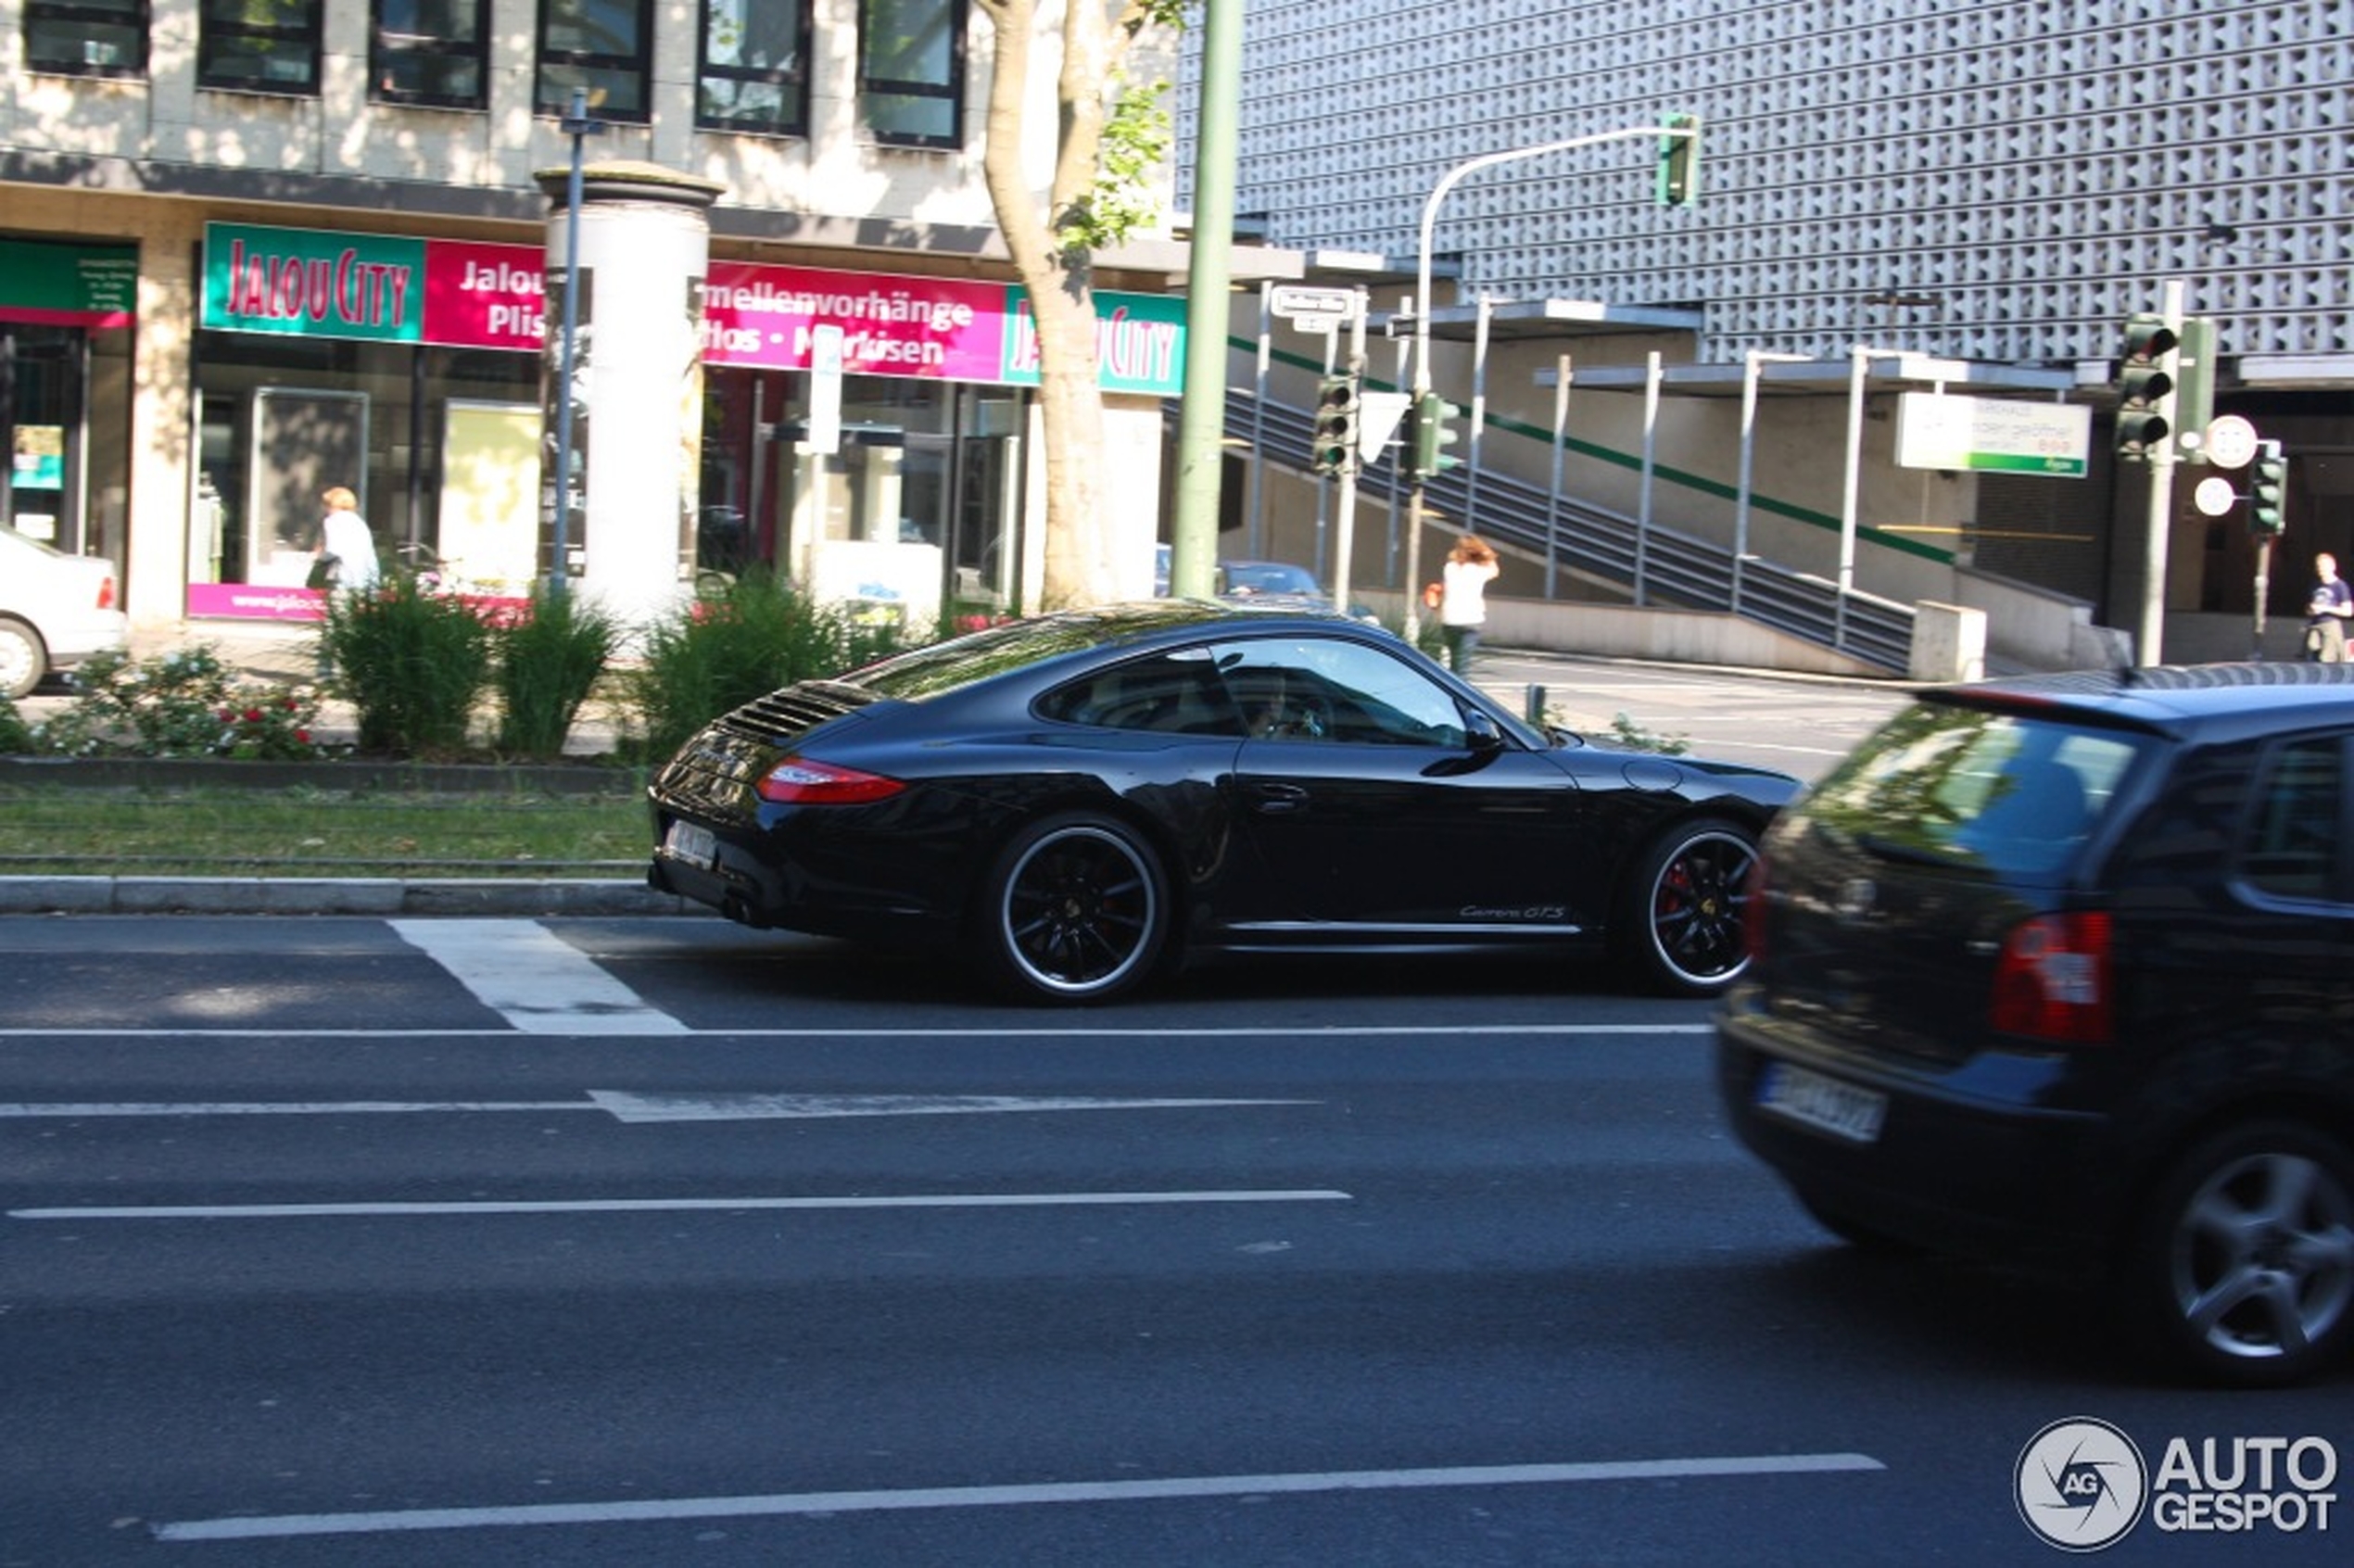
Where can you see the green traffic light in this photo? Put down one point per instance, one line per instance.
(2268, 496)
(1434, 432)
(1679, 159)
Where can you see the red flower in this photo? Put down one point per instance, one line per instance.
(253, 716)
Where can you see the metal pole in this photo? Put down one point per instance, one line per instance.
(1447, 182)
(1344, 523)
(2149, 642)
(1553, 485)
(1654, 372)
(1477, 417)
(1258, 471)
(576, 125)
(1751, 367)
(1201, 415)
(1850, 488)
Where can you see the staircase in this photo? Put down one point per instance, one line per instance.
(1653, 564)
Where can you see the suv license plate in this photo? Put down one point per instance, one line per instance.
(1823, 1104)
(690, 842)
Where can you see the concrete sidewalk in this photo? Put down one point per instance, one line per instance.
(384, 897)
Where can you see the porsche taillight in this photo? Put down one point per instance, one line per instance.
(2053, 980)
(800, 781)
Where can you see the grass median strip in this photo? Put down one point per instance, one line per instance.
(309, 831)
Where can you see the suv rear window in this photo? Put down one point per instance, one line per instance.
(2005, 792)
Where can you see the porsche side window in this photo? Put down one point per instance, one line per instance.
(1314, 689)
(1170, 696)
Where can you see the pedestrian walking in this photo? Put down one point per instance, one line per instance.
(1463, 598)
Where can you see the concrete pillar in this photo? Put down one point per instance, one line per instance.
(637, 416)
(1949, 642)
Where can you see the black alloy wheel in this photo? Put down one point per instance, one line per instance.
(1076, 910)
(1681, 915)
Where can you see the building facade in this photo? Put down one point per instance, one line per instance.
(248, 252)
(1997, 183)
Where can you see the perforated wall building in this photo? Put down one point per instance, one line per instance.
(2037, 170)
(1999, 181)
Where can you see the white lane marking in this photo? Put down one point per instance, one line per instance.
(940, 1031)
(671, 1205)
(769, 1107)
(643, 1511)
(542, 984)
(634, 1108)
(322, 1107)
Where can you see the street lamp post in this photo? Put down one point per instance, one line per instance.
(1685, 129)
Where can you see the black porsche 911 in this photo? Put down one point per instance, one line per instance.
(1079, 800)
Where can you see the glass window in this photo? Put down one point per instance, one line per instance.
(752, 73)
(911, 70)
(1172, 694)
(602, 48)
(86, 37)
(428, 52)
(1950, 784)
(259, 45)
(2290, 846)
(1328, 690)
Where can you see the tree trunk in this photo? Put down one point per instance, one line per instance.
(1060, 279)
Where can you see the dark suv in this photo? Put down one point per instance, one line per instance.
(2060, 971)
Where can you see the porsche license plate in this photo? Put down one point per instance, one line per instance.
(1823, 1104)
(695, 844)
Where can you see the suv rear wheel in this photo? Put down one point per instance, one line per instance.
(2243, 1270)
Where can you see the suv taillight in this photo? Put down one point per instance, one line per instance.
(106, 591)
(2053, 979)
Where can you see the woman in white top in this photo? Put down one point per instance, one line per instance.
(1463, 605)
(343, 533)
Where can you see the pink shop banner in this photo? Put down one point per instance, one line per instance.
(935, 327)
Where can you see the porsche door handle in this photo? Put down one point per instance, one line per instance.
(1277, 798)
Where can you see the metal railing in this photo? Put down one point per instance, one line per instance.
(1655, 564)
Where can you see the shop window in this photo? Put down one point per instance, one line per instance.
(428, 52)
(911, 70)
(259, 45)
(86, 37)
(752, 72)
(601, 48)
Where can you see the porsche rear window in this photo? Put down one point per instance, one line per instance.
(2003, 792)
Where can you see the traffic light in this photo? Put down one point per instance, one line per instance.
(1680, 160)
(2144, 382)
(1333, 446)
(2267, 495)
(1434, 432)
(1409, 441)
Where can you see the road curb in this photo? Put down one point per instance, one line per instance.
(310, 895)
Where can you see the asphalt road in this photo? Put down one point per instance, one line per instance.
(629, 1242)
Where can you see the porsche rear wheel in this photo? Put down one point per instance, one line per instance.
(1075, 910)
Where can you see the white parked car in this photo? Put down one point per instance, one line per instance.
(56, 610)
